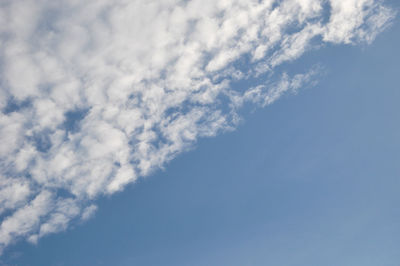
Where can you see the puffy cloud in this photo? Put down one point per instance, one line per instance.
(97, 93)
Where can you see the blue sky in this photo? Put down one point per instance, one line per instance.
(311, 179)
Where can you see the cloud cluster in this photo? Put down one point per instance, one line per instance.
(96, 93)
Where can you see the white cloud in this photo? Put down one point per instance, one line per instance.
(106, 91)
(355, 19)
(88, 212)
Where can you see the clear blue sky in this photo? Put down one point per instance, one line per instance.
(312, 179)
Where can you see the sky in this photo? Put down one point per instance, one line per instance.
(199, 132)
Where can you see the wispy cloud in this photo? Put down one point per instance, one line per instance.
(95, 94)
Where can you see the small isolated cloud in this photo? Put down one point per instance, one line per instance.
(97, 93)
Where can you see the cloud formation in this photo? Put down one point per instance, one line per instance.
(97, 93)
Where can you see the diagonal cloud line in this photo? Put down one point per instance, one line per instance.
(95, 94)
